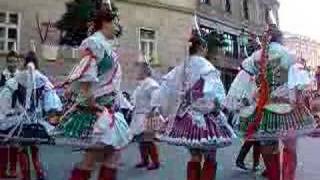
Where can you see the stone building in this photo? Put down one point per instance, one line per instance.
(158, 28)
(304, 47)
(236, 20)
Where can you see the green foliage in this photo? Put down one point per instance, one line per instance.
(74, 23)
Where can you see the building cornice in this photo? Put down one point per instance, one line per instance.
(159, 5)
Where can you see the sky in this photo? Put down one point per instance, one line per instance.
(301, 17)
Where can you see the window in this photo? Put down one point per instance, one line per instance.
(9, 31)
(231, 48)
(205, 1)
(246, 10)
(2, 17)
(228, 6)
(147, 45)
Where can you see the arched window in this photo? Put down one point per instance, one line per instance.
(246, 9)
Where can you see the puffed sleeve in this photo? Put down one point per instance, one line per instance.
(87, 69)
(298, 78)
(155, 96)
(250, 63)
(213, 89)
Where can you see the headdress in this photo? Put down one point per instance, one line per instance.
(198, 35)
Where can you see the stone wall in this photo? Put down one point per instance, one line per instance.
(47, 10)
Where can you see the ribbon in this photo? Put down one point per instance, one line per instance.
(263, 93)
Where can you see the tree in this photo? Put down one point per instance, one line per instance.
(74, 23)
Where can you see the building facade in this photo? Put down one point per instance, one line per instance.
(237, 21)
(304, 47)
(156, 29)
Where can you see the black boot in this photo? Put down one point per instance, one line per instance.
(242, 155)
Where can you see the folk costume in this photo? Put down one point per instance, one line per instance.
(198, 124)
(37, 97)
(146, 121)
(240, 102)
(8, 100)
(275, 115)
(94, 121)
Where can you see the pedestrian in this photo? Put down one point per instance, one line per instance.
(199, 123)
(94, 117)
(8, 95)
(146, 103)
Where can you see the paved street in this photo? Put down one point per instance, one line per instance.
(59, 162)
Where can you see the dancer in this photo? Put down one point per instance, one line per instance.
(146, 102)
(36, 96)
(277, 114)
(96, 81)
(240, 102)
(199, 123)
(8, 95)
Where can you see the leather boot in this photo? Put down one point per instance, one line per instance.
(37, 163)
(24, 163)
(107, 173)
(154, 156)
(209, 171)
(144, 162)
(242, 155)
(3, 161)
(193, 170)
(273, 167)
(289, 164)
(256, 156)
(80, 174)
(13, 158)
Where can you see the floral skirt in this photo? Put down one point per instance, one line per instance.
(275, 125)
(215, 133)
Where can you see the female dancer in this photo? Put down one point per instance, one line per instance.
(277, 115)
(199, 123)
(97, 80)
(146, 104)
(36, 95)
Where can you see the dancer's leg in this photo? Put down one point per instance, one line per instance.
(194, 165)
(144, 161)
(209, 168)
(110, 165)
(154, 156)
(83, 170)
(243, 153)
